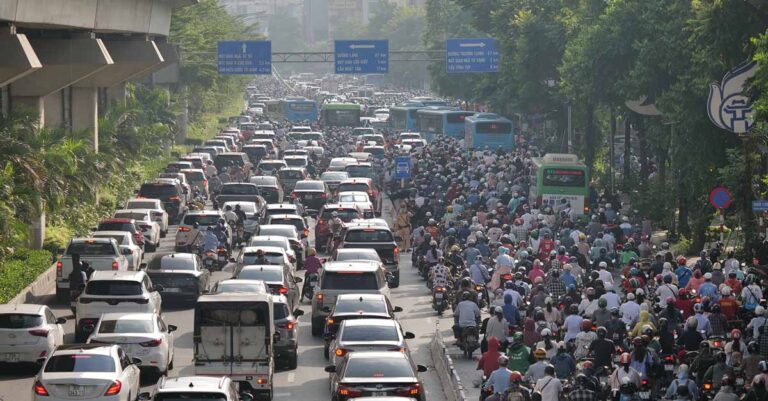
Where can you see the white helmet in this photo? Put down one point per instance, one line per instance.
(759, 310)
(726, 291)
(602, 265)
(630, 296)
(546, 332)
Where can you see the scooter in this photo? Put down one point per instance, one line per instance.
(469, 341)
(309, 286)
(222, 258)
(439, 301)
(210, 259)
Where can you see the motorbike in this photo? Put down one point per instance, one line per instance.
(669, 362)
(309, 285)
(469, 340)
(645, 390)
(707, 391)
(221, 257)
(738, 380)
(210, 259)
(439, 300)
(481, 295)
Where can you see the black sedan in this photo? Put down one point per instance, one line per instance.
(313, 194)
(376, 374)
(182, 275)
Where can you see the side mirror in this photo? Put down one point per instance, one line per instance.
(136, 361)
(246, 396)
(397, 309)
(409, 336)
(143, 266)
(232, 260)
(61, 320)
(126, 251)
(326, 309)
(298, 279)
(145, 397)
(330, 369)
(421, 368)
(298, 312)
(172, 328)
(158, 288)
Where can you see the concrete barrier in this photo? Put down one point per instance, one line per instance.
(35, 293)
(449, 379)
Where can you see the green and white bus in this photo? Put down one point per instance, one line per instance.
(558, 180)
(341, 115)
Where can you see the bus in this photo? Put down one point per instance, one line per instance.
(273, 111)
(437, 121)
(488, 130)
(428, 101)
(341, 115)
(405, 117)
(299, 109)
(559, 180)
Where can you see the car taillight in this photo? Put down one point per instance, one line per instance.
(397, 349)
(340, 352)
(669, 358)
(115, 265)
(221, 249)
(644, 382)
(707, 386)
(262, 380)
(287, 326)
(40, 389)
(330, 321)
(114, 388)
(184, 229)
(506, 276)
(321, 221)
(58, 269)
(152, 343)
(174, 198)
(413, 389)
(348, 391)
(586, 209)
(319, 297)
(717, 343)
(396, 251)
(39, 332)
(478, 287)
(283, 290)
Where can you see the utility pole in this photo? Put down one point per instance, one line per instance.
(570, 128)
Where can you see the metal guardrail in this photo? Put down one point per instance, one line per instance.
(449, 379)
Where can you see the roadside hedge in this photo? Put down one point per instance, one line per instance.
(19, 269)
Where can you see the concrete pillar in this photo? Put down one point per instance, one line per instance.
(28, 104)
(85, 112)
(53, 105)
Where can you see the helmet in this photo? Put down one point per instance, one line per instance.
(574, 309)
(763, 366)
(697, 307)
(736, 334)
(668, 279)
(602, 265)
(590, 291)
(692, 323)
(601, 332)
(625, 358)
(515, 377)
(704, 345)
(259, 252)
(647, 330)
(637, 341)
(517, 337)
(540, 353)
(726, 291)
(334, 213)
(311, 252)
(682, 261)
(720, 357)
(752, 347)
(455, 248)
(759, 310)
(602, 302)
(466, 296)
(209, 228)
(716, 308)
(630, 296)
(581, 378)
(548, 301)
(586, 324)
(433, 243)
(196, 225)
(509, 285)
(546, 332)
(561, 345)
(707, 276)
(670, 301)
(682, 293)
(725, 381)
(503, 360)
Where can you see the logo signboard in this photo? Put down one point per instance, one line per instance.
(728, 106)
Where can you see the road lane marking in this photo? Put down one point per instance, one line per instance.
(291, 377)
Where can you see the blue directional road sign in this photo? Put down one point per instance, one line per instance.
(402, 168)
(471, 55)
(245, 57)
(361, 56)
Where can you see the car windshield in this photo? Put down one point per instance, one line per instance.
(141, 205)
(124, 326)
(201, 219)
(259, 274)
(272, 258)
(121, 239)
(19, 321)
(359, 187)
(238, 189)
(194, 175)
(268, 242)
(309, 186)
(298, 223)
(131, 215)
(157, 190)
(296, 162)
(334, 176)
(370, 333)
(194, 396)
(281, 311)
(117, 227)
(369, 235)
(349, 281)
(169, 262)
(91, 249)
(378, 367)
(291, 174)
(113, 287)
(346, 215)
(79, 363)
(357, 255)
(360, 305)
(353, 198)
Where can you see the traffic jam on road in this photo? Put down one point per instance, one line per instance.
(287, 258)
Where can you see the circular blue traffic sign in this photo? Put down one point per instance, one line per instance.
(720, 198)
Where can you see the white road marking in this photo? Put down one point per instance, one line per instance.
(291, 377)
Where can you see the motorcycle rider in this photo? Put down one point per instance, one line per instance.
(467, 315)
(716, 372)
(683, 380)
(261, 258)
(726, 392)
(582, 390)
(536, 370)
(624, 371)
(702, 362)
(312, 266)
(630, 310)
(518, 353)
(563, 362)
(439, 274)
(516, 391)
(498, 381)
(666, 291)
(602, 349)
(478, 272)
(584, 339)
(549, 386)
(230, 216)
(210, 240)
(497, 327)
(751, 295)
(489, 360)
(335, 225)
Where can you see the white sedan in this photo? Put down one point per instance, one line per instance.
(143, 336)
(155, 206)
(28, 332)
(87, 371)
(149, 227)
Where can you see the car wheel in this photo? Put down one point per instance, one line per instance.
(293, 360)
(151, 247)
(317, 327)
(163, 233)
(62, 295)
(326, 350)
(396, 279)
(170, 365)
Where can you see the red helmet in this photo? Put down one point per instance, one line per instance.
(515, 377)
(625, 358)
(586, 365)
(681, 261)
(586, 324)
(683, 292)
(735, 334)
(670, 300)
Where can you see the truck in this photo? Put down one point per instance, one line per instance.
(234, 336)
(374, 236)
(99, 253)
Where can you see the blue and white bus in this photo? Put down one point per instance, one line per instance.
(299, 109)
(437, 121)
(488, 129)
(428, 101)
(404, 118)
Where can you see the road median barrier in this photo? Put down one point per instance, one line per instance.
(446, 372)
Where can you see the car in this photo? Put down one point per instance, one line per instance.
(156, 210)
(286, 344)
(272, 150)
(360, 198)
(355, 306)
(361, 156)
(181, 275)
(28, 333)
(176, 175)
(230, 159)
(409, 135)
(255, 152)
(171, 194)
(239, 191)
(313, 194)
(204, 218)
(279, 281)
(279, 208)
(316, 150)
(337, 278)
(252, 215)
(142, 336)
(240, 286)
(211, 151)
(415, 144)
(270, 166)
(264, 132)
(102, 254)
(174, 167)
(123, 224)
(376, 139)
(296, 160)
(295, 152)
(124, 241)
(290, 232)
(198, 162)
(301, 128)
(391, 373)
(273, 240)
(195, 388)
(338, 163)
(231, 142)
(360, 131)
(292, 219)
(346, 212)
(360, 170)
(93, 371)
(196, 178)
(363, 185)
(365, 335)
(269, 187)
(114, 291)
(149, 228)
(345, 254)
(248, 255)
(289, 176)
(377, 237)
(219, 143)
(378, 152)
(334, 178)
(313, 137)
(374, 222)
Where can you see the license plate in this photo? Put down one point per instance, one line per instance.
(309, 196)
(76, 391)
(379, 393)
(645, 395)
(11, 357)
(166, 289)
(208, 262)
(739, 381)
(439, 295)
(222, 258)
(141, 351)
(669, 367)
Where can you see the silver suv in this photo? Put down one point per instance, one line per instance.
(187, 387)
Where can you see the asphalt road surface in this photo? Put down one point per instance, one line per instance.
(307, 382)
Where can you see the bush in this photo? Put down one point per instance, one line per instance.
(56, 238)
(20, 269)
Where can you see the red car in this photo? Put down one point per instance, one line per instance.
(120, 224)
